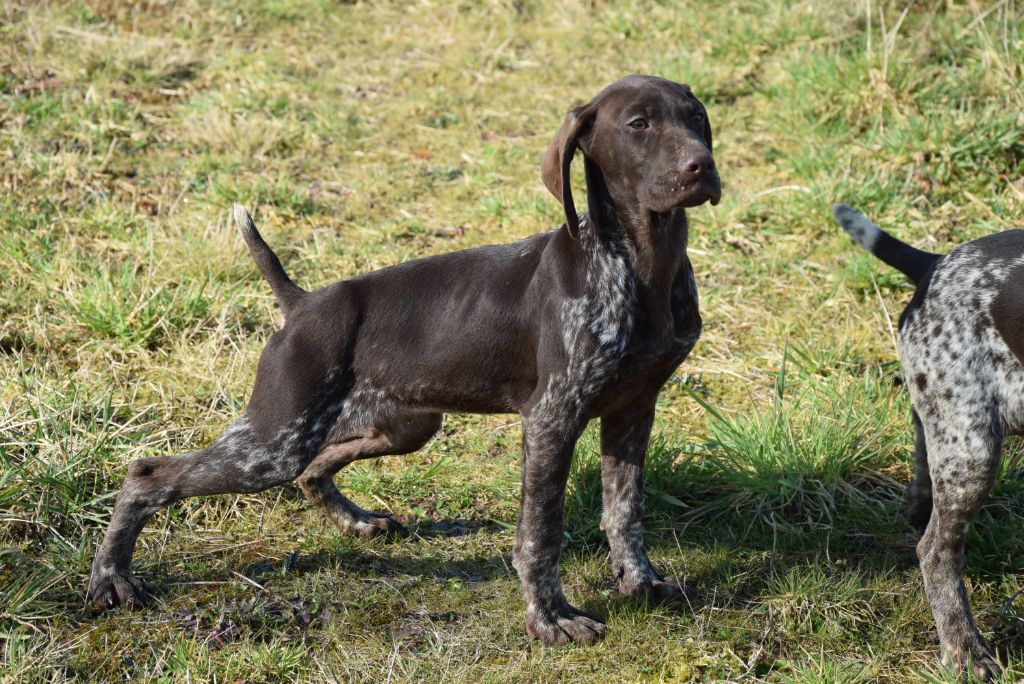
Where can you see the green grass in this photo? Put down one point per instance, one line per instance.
(365, 134)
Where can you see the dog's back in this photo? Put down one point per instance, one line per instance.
(960, 339)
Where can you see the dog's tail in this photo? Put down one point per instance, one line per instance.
(912, 262)
(286, 291)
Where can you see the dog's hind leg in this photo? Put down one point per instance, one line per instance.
(238, 462)
(918, 493)
(963, 464)
(397, 435)
(282, 429)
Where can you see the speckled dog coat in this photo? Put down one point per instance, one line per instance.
(961, 343)
(586, 321)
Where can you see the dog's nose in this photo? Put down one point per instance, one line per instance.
(697, 167)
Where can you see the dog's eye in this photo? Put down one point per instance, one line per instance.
(698, 118)
(639, 123)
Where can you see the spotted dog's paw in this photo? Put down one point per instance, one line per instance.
(372, 524)
(109, 589)
(660, 590)
(973, 655)
(562, 623)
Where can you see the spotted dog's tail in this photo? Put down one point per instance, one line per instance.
(912, 262)
(286, 291)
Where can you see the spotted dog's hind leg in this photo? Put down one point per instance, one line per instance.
(624, 439)
(918, 493)
(396, 435)
(237, 463)
(963, 464)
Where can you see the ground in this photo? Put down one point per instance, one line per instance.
(365, 134)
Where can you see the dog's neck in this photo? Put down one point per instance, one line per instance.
(656, 242)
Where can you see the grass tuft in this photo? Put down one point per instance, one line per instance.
(793, 464)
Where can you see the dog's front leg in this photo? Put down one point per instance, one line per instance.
(548, 444)
(624, 438)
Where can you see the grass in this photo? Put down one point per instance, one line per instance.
(365, 134)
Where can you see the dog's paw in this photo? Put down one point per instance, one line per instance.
(563, 624)
(662, 590)
(976, 656)
(112, 589)
(372, 525)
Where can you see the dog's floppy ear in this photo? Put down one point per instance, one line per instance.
(558, 160)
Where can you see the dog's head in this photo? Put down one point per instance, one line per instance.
(650, 141)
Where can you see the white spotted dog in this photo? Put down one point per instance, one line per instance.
(586, 321)
(961, 343)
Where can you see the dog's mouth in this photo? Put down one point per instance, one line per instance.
(675, 193)
(705, 190)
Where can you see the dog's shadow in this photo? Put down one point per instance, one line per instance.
(585, 541)
(381, 558)
(869, 536)
(757, 550)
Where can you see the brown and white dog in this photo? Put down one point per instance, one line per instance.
(962, 350)
(586, 321)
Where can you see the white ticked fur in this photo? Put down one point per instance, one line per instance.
(864, 232)
(966, 383)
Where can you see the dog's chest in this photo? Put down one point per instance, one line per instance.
(654, 346)
(667, 335)
(617, 351)
(597, 324)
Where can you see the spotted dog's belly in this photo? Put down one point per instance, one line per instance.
(962, 342)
